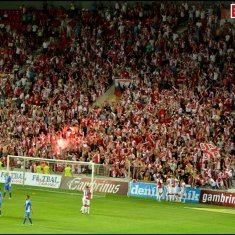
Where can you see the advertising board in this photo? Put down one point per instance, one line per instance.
(32, 179)
(149, 190)
(219, 198)
(100, 185)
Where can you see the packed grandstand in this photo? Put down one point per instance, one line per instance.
(174, 116)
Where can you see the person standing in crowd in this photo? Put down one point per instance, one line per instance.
(46, 169)
(212, 183)
(38, 169)
(68, 171)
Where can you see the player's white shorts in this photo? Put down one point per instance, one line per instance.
(159, 191)
(87, 202)
(174, 190)
(83, 200)
(183, 193)
(168, 190)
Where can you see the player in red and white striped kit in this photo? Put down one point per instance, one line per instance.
(159, 188)
(86, 200)
(169, 188)
(182, 191)
(175, 185)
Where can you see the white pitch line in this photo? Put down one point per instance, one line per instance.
(226, 211)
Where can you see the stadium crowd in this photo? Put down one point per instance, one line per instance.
(179, 99)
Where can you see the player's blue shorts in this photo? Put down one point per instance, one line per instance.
(27, 214)
(7, 187)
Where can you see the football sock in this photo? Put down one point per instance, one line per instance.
(83, 209)
(4, 194)
(30, 220)
(10, 194)
(24, 220)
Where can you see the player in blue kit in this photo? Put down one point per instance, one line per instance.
(28, 209)
(0, 202)
(7, 185)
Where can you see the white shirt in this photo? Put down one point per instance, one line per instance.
(212, 182)
(45, 45)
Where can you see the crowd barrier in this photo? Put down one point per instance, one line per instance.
(132, 189)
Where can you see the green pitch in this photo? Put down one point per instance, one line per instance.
(59, 213)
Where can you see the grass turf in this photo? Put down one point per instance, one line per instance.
(58, 212)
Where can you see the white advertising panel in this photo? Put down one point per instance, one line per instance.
(33, 179)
